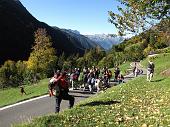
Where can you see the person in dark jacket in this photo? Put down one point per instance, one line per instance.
(150, 71)
(117, 72)
(62, 89)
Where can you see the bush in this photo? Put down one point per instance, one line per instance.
(165, 50)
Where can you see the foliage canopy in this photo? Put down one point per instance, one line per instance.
(138, 15)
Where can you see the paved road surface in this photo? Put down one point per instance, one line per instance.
(43, 106)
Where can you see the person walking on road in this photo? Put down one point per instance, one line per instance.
(136, 71)
(117, 72)
(150, 71)
(62, 89)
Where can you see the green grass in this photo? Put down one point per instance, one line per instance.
(134, 104)
(13, 95)
(123, 68)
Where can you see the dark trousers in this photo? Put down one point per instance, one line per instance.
(64, 96)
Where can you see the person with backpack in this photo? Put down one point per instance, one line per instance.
(85, 78)
(117, 72)
(150, 71)
(120, 78)
(109, 74)
(91, 80)
(136, 72)
(63, 86)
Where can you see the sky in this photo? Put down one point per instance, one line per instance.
(87, 16)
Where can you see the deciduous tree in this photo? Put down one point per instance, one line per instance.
(42, 59)
(138, 15)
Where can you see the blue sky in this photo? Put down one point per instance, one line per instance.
(86, 16)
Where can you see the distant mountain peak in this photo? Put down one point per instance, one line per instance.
(105, 40)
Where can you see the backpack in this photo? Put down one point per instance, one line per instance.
(54, 88)
(151, 67)
(51, 85)
(110, 74)
(57, 90)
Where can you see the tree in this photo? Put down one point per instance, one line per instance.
(152, 40)
(81, 62)
(134, 52)
(42, 59)
(60, 61)
(147, 50)
(93, 56)
(102, 63)
(138, 15)
(8, 75)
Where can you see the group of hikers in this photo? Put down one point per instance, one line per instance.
(92, 78)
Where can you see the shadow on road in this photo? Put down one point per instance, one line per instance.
(96, 103)
(82, 92)
(158, 80)
(81, 96)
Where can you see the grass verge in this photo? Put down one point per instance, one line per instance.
(13, 95)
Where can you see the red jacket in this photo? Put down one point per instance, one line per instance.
(64, 84)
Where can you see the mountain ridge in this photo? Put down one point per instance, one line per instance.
(105, 40)
(17, 27)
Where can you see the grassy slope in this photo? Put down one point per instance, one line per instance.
(13, 95)
(136, 103)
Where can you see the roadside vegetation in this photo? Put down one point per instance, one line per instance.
(13, 95)
(135, 103)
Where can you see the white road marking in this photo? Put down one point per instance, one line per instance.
(23, 102)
